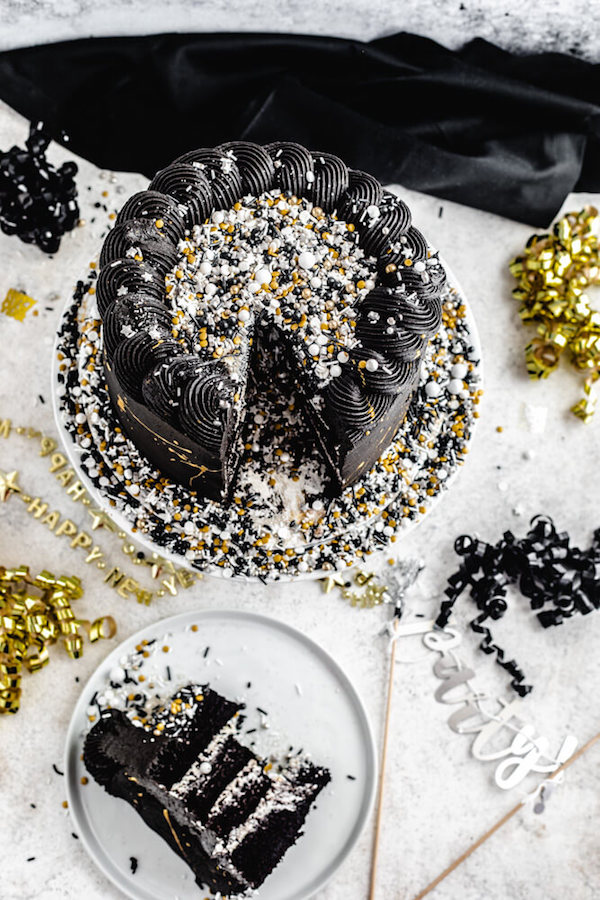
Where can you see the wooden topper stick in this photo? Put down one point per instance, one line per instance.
(481, 840)
(382, 765)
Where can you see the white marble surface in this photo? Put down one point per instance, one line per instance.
(567, 26)
(438, 798)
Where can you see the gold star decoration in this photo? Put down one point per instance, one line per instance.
(330, 582)
(8, 485)
(100, 519)
(17, 304)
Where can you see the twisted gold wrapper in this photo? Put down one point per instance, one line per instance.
(553, 274)
(34, 614)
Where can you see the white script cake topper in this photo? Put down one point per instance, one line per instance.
(527, 751)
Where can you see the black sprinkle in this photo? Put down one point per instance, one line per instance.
(251, 731)
(205, 654)
(440, 212)
(30, 858)
(77, 679)
(134, 864)
(76, 836)
(168, 673)
(262, 711)
(249, 685)
(351, 777)
(57, 770)
(33, 806)
(41, 399)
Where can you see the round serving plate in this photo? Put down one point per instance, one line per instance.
(87, 426)
(309, 702)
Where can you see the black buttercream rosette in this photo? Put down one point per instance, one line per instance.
(394, 321)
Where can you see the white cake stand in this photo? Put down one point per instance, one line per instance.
(126, 518)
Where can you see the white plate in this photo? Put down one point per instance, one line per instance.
(311, 705)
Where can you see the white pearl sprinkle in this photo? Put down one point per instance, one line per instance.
(455, 386)
(244, 315)
(262, 276)
(306, 260)
(336, 370)
(343, 357)
(205, 768)
(313, 349)
(419, 266)
(372, 365)
(459, 370)
(432, 389)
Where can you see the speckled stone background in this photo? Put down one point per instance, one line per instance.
(438, 797)
(567, 27)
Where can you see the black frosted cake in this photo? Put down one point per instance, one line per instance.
(229, 814)
(240, 261)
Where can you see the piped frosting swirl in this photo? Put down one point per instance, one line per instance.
(205, 405)
(393, 321)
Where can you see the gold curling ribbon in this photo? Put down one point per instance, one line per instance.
(100, 626)
(34, 614)
(553, 275)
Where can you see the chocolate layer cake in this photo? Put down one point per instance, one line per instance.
(229, 814)
(235, 250)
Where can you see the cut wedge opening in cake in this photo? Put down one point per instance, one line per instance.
(243, 258)
(229, 814)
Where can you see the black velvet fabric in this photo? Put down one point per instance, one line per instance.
(480, 126)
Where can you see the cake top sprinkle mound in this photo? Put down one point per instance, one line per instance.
(276, 256)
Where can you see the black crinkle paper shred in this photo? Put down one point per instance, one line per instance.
(38, 202)
(480, 126)
(558, 580)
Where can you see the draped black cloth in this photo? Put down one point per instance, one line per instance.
(480, 126)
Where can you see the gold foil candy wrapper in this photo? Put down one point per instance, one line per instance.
(30, 622)
(553, 275)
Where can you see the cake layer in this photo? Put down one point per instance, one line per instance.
(174, 756)
(221, 808)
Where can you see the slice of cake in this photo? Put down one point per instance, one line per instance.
(229, 814)
(241, 241)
